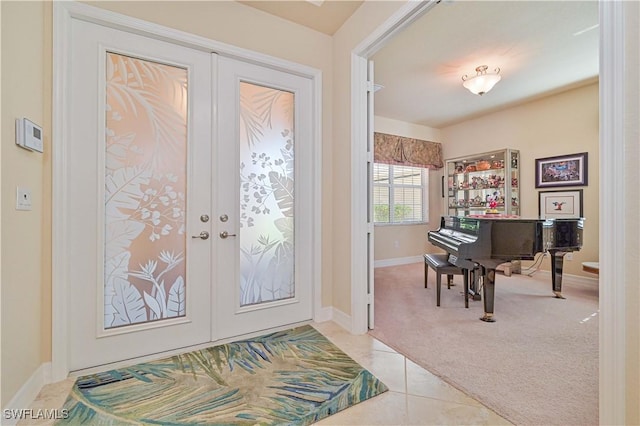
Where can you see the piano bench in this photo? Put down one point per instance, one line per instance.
(440, 264)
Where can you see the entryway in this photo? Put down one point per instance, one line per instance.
(186, 177)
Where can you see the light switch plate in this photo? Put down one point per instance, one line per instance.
(23, 198)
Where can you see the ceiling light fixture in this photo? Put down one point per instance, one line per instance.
(482, 82)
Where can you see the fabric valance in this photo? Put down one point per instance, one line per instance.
(392, 149)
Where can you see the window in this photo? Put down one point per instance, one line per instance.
(399, 194)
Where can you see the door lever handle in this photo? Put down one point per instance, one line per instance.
(204, 235)
(225, 234)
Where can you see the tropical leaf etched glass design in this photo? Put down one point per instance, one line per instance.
(145, 189)
(266, 194)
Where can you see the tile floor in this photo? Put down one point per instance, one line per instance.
(415, 396)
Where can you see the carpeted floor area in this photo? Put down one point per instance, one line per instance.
(293, 377)
(536, 365)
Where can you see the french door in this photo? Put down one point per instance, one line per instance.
(263, 182)
(185, 193)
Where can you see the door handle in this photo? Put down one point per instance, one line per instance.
(204, 235)
(225, 234)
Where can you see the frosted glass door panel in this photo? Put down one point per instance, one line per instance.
(139, 130)
(145, 190)
(266, 194)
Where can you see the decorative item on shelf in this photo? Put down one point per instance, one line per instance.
(514, 182)
(492, 203)
(483, 165)
(473, 177)
(482, 82)
(495, 181)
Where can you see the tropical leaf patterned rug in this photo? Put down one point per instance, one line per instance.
(293, 377)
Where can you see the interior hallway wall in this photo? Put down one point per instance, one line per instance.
(357, 28)
(22, 245)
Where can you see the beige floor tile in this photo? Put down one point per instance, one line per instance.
(394, 408)
(421, 382)
(351, 344)
(51, 397)
(388, 367)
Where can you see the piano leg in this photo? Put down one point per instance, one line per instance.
(488, 293)
(557, 259)
(465, 273)
(474, 283)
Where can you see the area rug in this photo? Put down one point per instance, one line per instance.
(293, 377)
(536, 365)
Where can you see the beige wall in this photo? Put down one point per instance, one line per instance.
(362, 23)
(565, 123)
(23, 95)
(400, 241)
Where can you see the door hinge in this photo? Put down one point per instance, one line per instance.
(369, 298)
(370, 158)
(370, 86)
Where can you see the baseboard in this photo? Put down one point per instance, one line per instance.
(579, 280)
(323, 314)
(342, 319)
(397, 261)
(332, 314)
(25, 396)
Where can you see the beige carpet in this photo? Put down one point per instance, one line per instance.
(536, 365)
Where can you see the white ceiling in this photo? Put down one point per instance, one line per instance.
(541, 47)
(324, 16)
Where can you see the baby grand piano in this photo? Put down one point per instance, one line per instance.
(474, 242)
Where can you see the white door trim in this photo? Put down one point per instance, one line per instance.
(612, 193)
(613, 345)
(63, 14)
(361, 257)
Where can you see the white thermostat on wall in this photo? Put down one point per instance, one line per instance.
(28, 135)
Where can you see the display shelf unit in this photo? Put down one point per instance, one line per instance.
(472, 181)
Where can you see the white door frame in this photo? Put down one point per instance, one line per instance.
(612, 347)
(63, 13)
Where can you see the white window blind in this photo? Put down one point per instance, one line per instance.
(399, 194)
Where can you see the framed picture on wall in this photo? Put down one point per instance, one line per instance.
(560, 204)
(563, 170)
